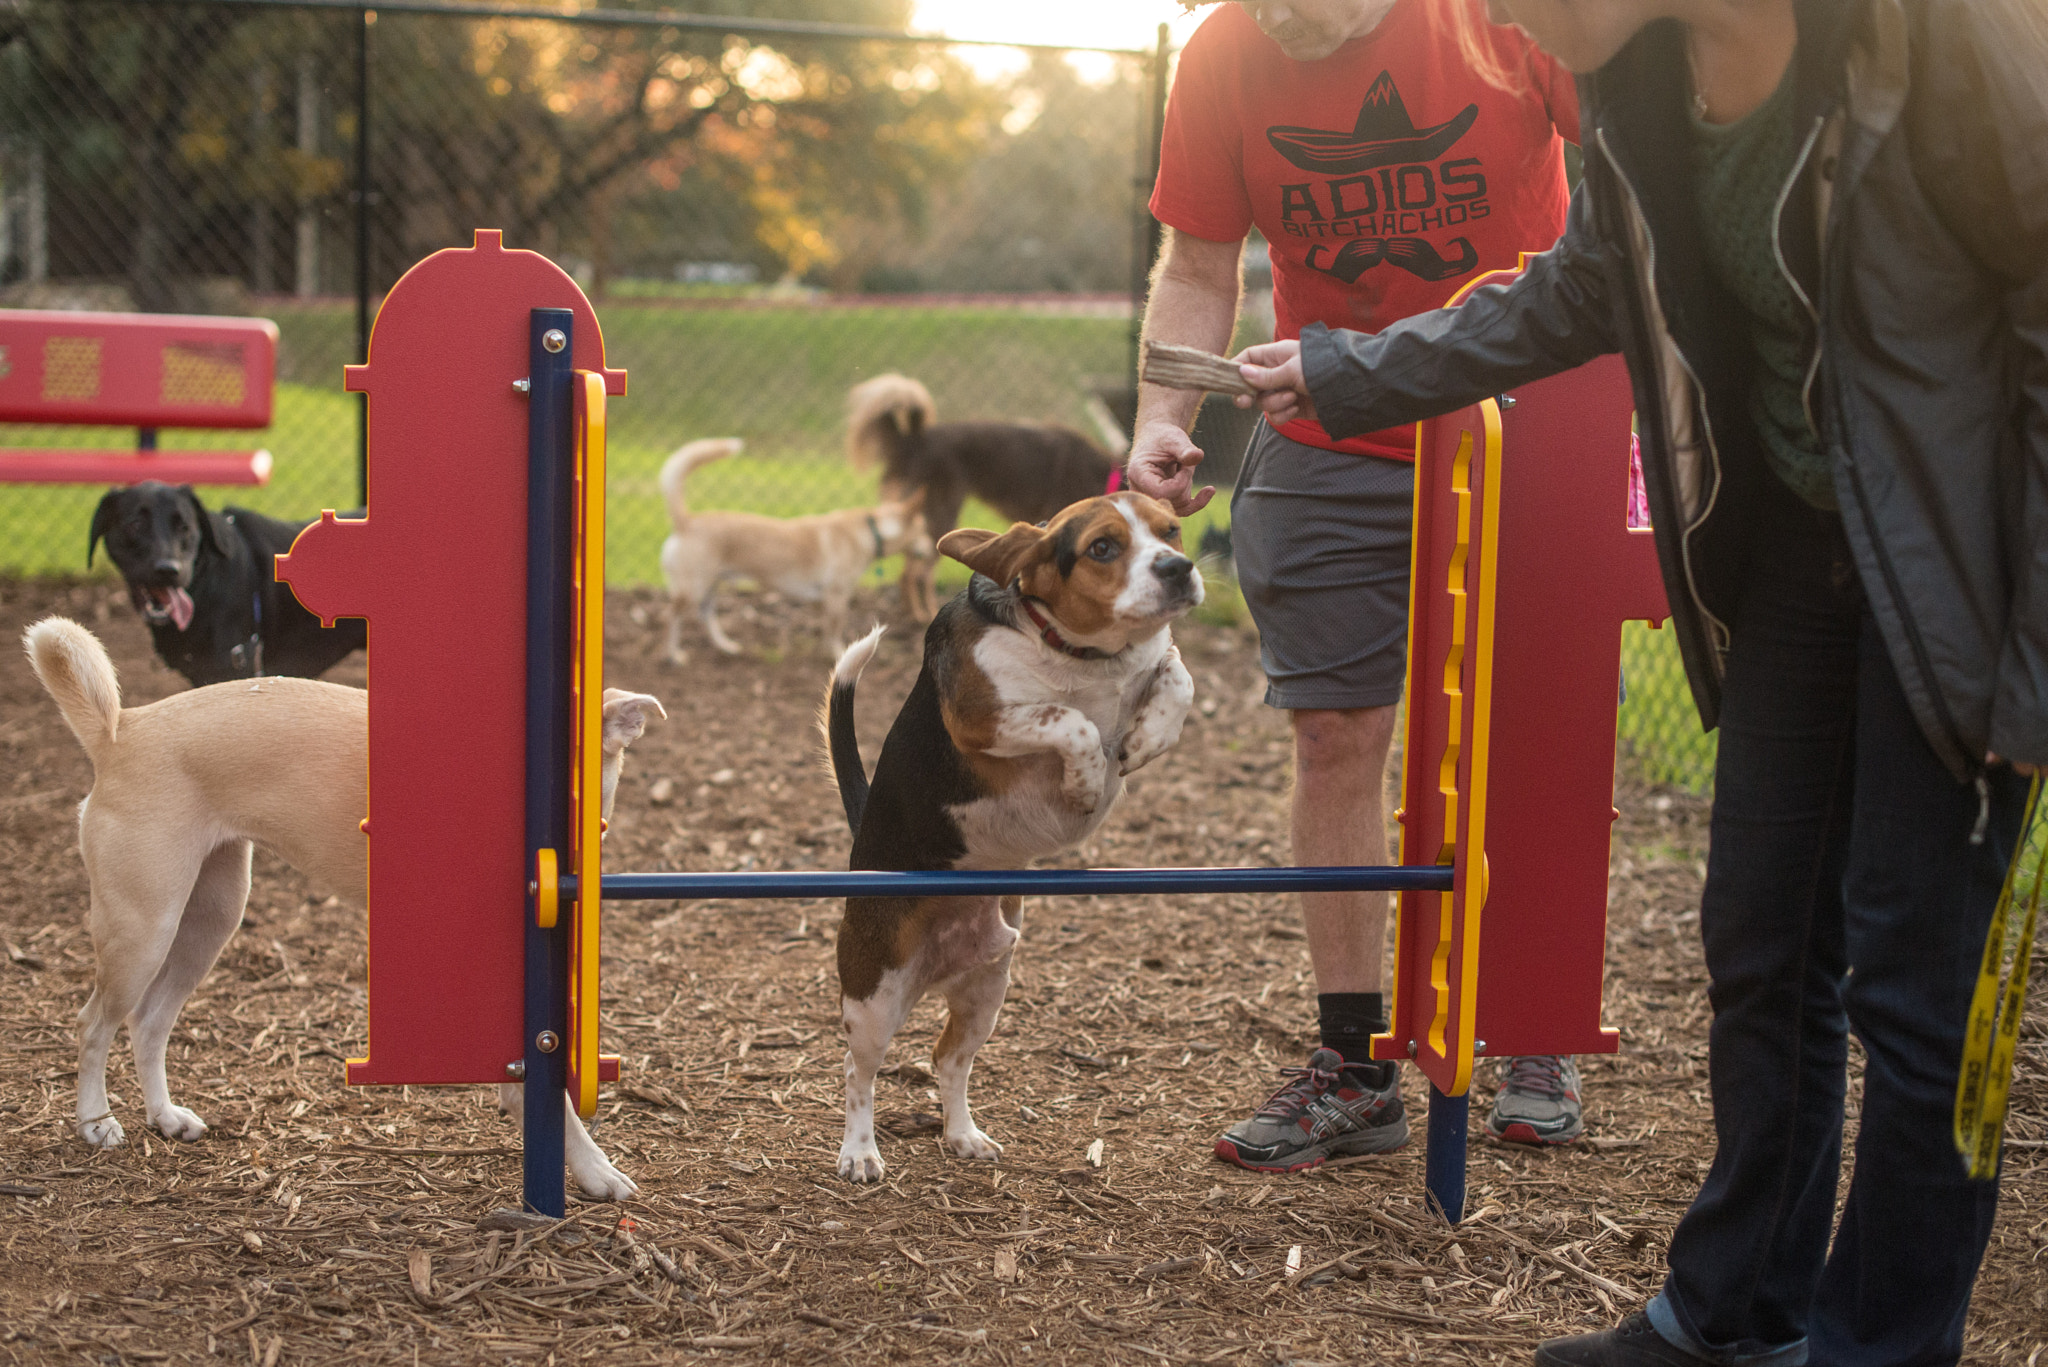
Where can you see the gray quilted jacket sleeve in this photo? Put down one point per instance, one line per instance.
(1557, 314)
(1985, 165)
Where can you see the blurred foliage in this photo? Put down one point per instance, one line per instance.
(186, 143)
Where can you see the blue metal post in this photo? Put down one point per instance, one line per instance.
(1443, 1172)
(1023, 882)
(550, 493)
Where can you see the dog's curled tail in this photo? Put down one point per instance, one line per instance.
(880, 414)
(675, 471)
(73, 666)
(835, 720)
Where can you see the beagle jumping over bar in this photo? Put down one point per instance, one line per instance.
(1047, 681)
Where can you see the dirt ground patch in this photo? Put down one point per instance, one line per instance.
(320, 1223)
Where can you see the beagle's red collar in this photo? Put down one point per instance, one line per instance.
(1051, 636)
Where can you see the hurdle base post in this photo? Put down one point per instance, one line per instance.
(549, 502)
(1444, 1153)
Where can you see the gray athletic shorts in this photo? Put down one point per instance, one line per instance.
(1321, 544)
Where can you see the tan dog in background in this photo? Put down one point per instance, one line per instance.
(182, 789)
(814, 559)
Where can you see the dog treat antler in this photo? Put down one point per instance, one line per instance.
(1186, 367)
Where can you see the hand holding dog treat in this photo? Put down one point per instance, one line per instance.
(1277, 384)
(1186, 367)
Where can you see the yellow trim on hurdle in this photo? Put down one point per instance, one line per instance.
(587, 694)
(547, 898)
(1454, 739)
(1476, 869)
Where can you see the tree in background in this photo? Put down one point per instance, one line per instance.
(193, 143)
(1046, 206)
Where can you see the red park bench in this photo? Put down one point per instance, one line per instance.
(141, 370)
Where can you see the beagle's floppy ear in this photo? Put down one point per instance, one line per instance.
(1002, 557)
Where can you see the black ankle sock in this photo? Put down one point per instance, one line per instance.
(1347, 1022)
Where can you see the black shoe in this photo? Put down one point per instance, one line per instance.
(1634, 1342)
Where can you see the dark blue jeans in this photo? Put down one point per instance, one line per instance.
(1843, 893)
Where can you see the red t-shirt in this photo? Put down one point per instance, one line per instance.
(1383, 176)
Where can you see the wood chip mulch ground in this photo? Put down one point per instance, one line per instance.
(316, 1223)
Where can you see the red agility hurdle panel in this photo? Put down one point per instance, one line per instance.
(144, 370)
(1510, 746)
(438, 566)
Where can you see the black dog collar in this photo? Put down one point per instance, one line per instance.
(876, 532)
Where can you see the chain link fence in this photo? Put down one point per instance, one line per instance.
(765, 207)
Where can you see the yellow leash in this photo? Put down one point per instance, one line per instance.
(1994, 1011)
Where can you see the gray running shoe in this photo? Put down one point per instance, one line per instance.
(1538, 1101)
(1327, 1110)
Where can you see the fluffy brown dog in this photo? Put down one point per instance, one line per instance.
(182, 789)
(1023, 471)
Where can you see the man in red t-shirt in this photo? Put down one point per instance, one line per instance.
(1384, 170)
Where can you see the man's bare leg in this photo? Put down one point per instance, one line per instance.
(1331, 1108)
(1339, 817)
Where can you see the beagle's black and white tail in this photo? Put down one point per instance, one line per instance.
(835, 720)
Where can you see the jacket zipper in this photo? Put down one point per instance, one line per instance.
(1778, 255)
(1635, 205)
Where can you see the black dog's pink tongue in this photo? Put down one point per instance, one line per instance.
(181, 608)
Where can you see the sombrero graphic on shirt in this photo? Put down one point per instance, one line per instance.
(1383, 136)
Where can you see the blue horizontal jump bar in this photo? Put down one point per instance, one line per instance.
(987, 882)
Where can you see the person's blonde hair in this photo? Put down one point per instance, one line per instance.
(1470, 28)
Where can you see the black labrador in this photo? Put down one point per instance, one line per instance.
(202, 581)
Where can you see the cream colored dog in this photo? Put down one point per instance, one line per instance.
(815, 559)
(181, 791)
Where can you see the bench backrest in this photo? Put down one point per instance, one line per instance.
(135, 369)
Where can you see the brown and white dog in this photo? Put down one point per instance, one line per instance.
(1047, 681)
(818, 559)
(181, 791)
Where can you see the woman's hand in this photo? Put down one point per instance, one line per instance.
(1274, 368)
(1992, 758)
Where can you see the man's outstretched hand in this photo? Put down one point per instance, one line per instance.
(1274, 369)
(1162, 465)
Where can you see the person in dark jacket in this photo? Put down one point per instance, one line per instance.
(1818, 230)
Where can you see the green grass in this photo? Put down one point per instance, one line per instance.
(1660, 730)
(776, 376)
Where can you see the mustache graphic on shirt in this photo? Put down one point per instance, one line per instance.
(1412, 254)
